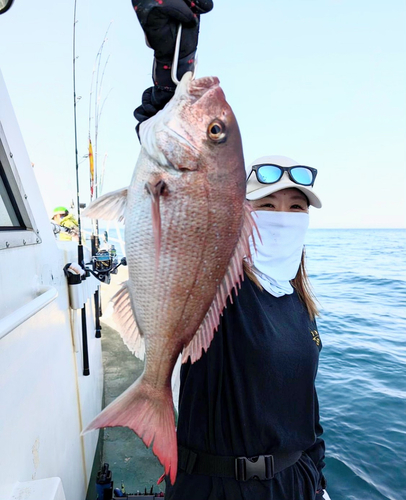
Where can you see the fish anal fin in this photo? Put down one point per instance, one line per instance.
(109, 206)
(148, 411)
(124, 318)
(231, 281)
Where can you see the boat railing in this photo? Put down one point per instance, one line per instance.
(47, 294)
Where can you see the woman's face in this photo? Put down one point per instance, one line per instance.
(286, 200)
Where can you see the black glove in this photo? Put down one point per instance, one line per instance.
(160, 21)
(153, 99)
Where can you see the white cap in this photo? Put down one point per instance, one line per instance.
(257, 190)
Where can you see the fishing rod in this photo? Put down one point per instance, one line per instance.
(85, 349)
(94, 176)
(94, 238)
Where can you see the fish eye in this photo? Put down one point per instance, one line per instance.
(216, 131)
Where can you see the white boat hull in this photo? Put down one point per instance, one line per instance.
(45, 399)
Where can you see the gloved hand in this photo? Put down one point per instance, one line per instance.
(153, 99)
(160, 20)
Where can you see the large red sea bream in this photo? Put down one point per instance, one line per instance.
(186, 231)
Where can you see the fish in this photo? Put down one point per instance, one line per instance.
(187, 227)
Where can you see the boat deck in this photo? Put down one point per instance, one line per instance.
(130, 461)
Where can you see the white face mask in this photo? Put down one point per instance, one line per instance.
(277, 257)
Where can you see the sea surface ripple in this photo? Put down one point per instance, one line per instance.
(359, 278)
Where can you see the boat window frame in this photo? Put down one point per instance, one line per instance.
(10, 204)
(26, 233)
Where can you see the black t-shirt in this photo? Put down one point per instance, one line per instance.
(253, 394)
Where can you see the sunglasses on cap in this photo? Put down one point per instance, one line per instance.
(269, 174)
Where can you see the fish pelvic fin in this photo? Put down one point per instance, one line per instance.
(149, 412)
(232, 279)
(109, 206)
(127, 326)
(156, 189)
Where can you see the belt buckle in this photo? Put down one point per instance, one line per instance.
(260, 467)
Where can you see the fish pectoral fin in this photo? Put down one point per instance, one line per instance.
(125, 319)
(148, 411)
(109, 206)
(202, 338)
(156, 189)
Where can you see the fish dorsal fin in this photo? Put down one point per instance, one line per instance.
(109, 206)
(127, 326)
(232, 278)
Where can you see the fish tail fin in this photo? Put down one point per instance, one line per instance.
(149, 413)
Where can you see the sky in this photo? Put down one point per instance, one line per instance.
(320, 81)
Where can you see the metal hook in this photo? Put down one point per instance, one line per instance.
(175, 61)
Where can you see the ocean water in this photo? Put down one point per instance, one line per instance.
(359, 278)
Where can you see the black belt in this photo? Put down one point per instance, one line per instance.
(240, 468)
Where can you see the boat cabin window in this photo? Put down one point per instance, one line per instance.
(17, 225)
(10, 217)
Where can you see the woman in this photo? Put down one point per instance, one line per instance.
(252, 393)
(248, 424)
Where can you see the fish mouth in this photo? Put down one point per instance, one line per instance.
(195, 89)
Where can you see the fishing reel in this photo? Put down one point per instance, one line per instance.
(105, 263)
